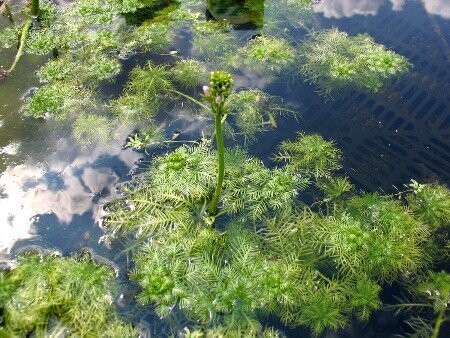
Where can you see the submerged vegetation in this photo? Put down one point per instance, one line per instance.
(334, 61)
(49, 295)
(220, 238)
(265, 253)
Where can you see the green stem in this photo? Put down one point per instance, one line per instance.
(221, 158)
(439, 321)
(23, 38)
(189, 98)
(35, 8)
(7, 12)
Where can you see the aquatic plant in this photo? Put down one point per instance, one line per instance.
(213, 39)
(219, 332)
(310, 154)
(431, 203)
(254, 111)
(334, 188)
(131, 6)
(152, 36)
(335, 61)
(58, 100)
(271, 255)
(74, 291)
(145, 138)
(265, 55)
(90, 128)
(216, 95)
(429, 299)
(237, 12)
(283, 16)
(189, 73)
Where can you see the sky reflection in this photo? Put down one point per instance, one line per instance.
(59, 186)
(347, 8)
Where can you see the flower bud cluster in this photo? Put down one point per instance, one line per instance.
(220, 84)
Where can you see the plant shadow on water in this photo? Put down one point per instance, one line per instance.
(242, 238)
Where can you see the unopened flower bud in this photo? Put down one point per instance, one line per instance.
(218, 99)
(206, 91)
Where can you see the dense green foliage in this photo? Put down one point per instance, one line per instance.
(42, 295)
(271, 254)
(334, 60)
(265, 55)
(292, 242)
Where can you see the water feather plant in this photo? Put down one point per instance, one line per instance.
(265, 55)
(334, 61)
(74, 291)
(268, 253)
(213, 39)
(427, 302)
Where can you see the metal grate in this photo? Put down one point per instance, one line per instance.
(402, 132)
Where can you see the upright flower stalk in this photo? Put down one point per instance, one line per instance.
(220, 88)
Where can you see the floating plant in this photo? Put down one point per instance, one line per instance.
(265, 55)
(72, 295)
(430, 299)
(218, 236)
(255, 111)
(213, 39)
(334, 61)
(272, 254)
(189, 73)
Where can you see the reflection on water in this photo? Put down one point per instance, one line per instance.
(62, 187)
(348, 8)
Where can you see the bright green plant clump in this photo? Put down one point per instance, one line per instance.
(227, 274)
(431, 203)
(189, 73)
(272, 255)
(146, 137)
(74, 292)
(254, 111)
(334, 61)
(266, 55)
(310, 154)
(58, 100)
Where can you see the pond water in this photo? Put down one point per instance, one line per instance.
(52, 190)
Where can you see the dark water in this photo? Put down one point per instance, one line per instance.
(51, 190)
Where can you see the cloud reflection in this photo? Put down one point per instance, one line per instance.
(347, 8)
(67, 183)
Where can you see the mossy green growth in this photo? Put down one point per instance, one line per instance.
(431, 202)
(75, 291)
(213, 39)
(334, 61)
(58, 100)
(310, 154)
(255, 111)
(265, 55)
(189, 73)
